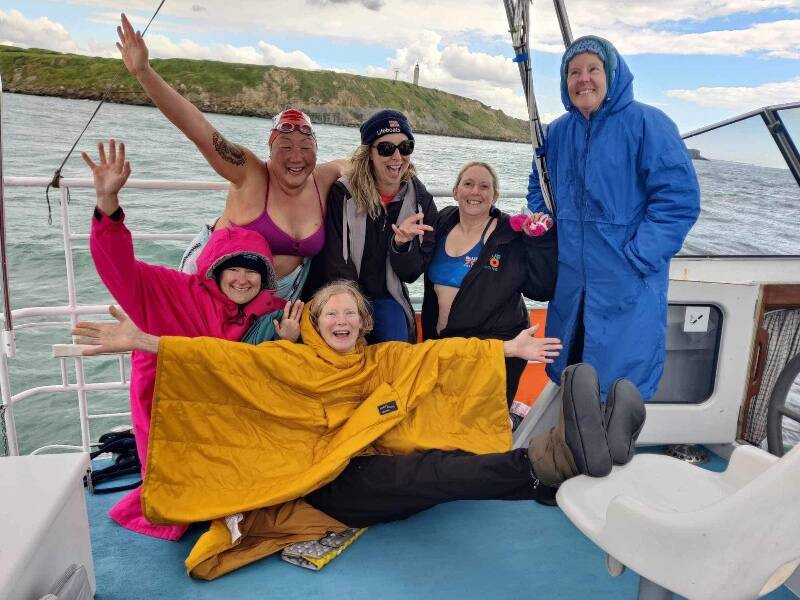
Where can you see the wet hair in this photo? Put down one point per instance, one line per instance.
(362, 182)
(341, 286)
(488, 167)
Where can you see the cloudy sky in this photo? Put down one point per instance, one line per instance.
(699, 60)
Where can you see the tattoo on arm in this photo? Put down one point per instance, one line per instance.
(229, 152)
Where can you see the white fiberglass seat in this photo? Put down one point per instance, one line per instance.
(694, 532)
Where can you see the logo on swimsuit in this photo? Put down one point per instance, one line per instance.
(494, 262)
(387, 407)
(469, 261)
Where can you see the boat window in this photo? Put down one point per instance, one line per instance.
(693, 334)
(790, 426)
(791, 121)
(749, 196)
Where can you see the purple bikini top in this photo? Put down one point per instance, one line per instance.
(280, 242)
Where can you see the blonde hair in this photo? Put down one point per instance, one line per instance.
(341, 286)
(362, 181)
(488, 167)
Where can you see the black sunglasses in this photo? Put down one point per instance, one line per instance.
(406, 147)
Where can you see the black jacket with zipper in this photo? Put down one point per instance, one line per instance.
(489, 303)
(408, 261)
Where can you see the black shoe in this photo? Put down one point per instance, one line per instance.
(547, 496)
(514, 420)
(584, 428)
(624, 419)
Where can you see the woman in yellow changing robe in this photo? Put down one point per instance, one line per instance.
(252, 427)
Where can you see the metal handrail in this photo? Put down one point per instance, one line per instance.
(72, 310)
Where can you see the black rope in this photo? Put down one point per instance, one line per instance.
(3, 432)
(56, 181)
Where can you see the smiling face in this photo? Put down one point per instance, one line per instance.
(340, 323)
(389, 170)
(239, 284)
(293, 157)
(586, 82)
(475, 191)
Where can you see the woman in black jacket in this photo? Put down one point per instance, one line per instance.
(378, 229)
(482, 266)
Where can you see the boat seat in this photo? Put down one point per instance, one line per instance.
(44, 527)
(698, 533)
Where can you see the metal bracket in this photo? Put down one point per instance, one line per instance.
(9, 344)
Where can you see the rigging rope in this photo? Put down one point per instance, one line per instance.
(56, 181)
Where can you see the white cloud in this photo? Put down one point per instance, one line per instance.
(18, 30)
(37, 33)
(369, 4)
(640, 27)
(494, 80)
(461, 63)
(273, 55)
(635, 27)
(779, 39)
(263, 54)
(741, 99)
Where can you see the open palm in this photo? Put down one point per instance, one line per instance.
(109, 174)
(132, 48)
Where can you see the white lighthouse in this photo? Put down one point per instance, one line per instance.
(416, 74)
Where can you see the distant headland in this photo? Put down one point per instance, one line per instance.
(695, 154)
(257, 90)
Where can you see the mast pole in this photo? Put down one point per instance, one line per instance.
(563, 22)
(518, 13)
(7, 327)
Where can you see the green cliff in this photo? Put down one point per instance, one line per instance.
(334, 98)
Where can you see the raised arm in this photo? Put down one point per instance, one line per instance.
(109, 176)
(229, 160)
(132, 282)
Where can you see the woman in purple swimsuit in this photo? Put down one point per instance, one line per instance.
(482, 266)
(282, 198)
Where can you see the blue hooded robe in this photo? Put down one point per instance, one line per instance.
(626, 195)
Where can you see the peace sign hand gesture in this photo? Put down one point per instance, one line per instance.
(110, 175)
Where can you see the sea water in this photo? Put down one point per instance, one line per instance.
(746, 210)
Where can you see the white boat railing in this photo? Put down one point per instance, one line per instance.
(72, 310)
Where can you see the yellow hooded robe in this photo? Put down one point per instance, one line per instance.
(237, 427)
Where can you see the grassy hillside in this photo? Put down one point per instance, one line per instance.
(329, 97)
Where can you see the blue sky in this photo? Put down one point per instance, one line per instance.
(700, 61)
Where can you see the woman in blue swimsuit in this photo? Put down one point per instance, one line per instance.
(482, 267)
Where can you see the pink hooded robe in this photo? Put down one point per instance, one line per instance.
(163, 301)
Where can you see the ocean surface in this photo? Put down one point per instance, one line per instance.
(746, 210)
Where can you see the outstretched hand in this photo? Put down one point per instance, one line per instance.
(132, 47)
(542, 350)
(288, 328)
(110, 175)
(122, 336)
(410, 227)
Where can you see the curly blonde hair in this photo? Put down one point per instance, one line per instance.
(341, 286)
(362, 181)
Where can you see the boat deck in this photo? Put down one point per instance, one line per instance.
(486, 549)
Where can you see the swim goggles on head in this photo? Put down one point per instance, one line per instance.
(289, 127)
(405, 147)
